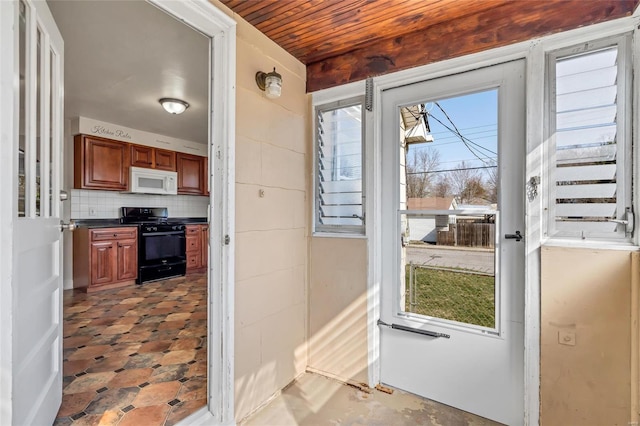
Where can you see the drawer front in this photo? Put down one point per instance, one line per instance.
(106, 234)
(193, 243)
(193, 260)
(192, 229)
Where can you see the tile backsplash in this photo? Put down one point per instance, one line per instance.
(94, 204)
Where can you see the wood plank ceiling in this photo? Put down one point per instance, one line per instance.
(341, 41)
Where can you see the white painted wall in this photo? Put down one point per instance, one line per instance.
(272, 192)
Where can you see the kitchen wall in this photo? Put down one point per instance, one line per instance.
(272, 193)
(94, 204)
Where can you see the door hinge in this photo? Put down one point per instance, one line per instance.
(227, 240)
(368, 94)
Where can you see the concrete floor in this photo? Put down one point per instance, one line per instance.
(314, 400)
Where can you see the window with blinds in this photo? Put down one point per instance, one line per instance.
(590, 146)
(339, 167)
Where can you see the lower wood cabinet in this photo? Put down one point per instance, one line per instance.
(105, 257)
(197, 247)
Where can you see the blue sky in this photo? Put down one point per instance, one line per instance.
(475, 116)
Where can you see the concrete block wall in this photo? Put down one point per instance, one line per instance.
(272, 174)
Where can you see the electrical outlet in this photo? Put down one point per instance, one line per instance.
(567, 338)
(92, 211)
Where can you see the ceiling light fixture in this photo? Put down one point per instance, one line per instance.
(270, 83)
(174, 106)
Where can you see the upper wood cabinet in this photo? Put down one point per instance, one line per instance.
(191, 173)
(100, 163)
(153, 158)
(142, 156)
(165, 160)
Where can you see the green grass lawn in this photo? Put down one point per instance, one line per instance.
(455, 296)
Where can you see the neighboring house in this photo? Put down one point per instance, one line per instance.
(425, 228)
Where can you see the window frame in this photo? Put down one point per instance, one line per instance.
(320, 229)
(624, 138)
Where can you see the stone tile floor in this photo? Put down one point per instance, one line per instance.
(135, 355)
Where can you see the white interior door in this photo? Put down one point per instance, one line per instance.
(37, 284)
(452, 303)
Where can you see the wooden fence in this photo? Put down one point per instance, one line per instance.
(468, 235)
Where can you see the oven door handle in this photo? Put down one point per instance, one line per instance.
(151, 234)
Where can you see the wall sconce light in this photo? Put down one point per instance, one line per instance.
(270, 83)
(173, 106)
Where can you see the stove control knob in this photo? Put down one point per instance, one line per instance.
(155, 228)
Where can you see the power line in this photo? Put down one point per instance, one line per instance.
(426, 145)
(452, 170)
(458, 132)
(464, 160)
(469, 128)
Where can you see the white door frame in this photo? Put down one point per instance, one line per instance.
(8, 104)
(205, 17)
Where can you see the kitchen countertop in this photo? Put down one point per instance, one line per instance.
(113, 223)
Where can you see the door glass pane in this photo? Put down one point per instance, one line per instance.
(448, 208)
(38, 118)
(52, 59)
(22, 46)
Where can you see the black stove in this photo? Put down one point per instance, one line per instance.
(161, 243)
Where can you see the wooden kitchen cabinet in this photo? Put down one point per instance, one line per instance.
(197, 247)
(205, 245)
(100, 163)
(142, 156)
(191, 173)
(153, 158)
(165, 160)
(105, 257)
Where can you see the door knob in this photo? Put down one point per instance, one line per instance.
(517, 236)
(64, 195)
(71, 226)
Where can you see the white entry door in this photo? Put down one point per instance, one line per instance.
(36, 343)
(452, 307)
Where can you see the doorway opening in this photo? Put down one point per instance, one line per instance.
(138, 351)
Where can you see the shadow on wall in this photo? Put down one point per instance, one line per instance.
(337, 342)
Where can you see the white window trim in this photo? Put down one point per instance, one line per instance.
(534, 51)
(624, 141)
(332, 99)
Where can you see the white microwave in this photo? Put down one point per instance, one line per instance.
(152, 181)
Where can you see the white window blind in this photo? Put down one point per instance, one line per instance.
(590, 167)
(339, 167)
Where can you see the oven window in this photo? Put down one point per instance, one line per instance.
(163, 246)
